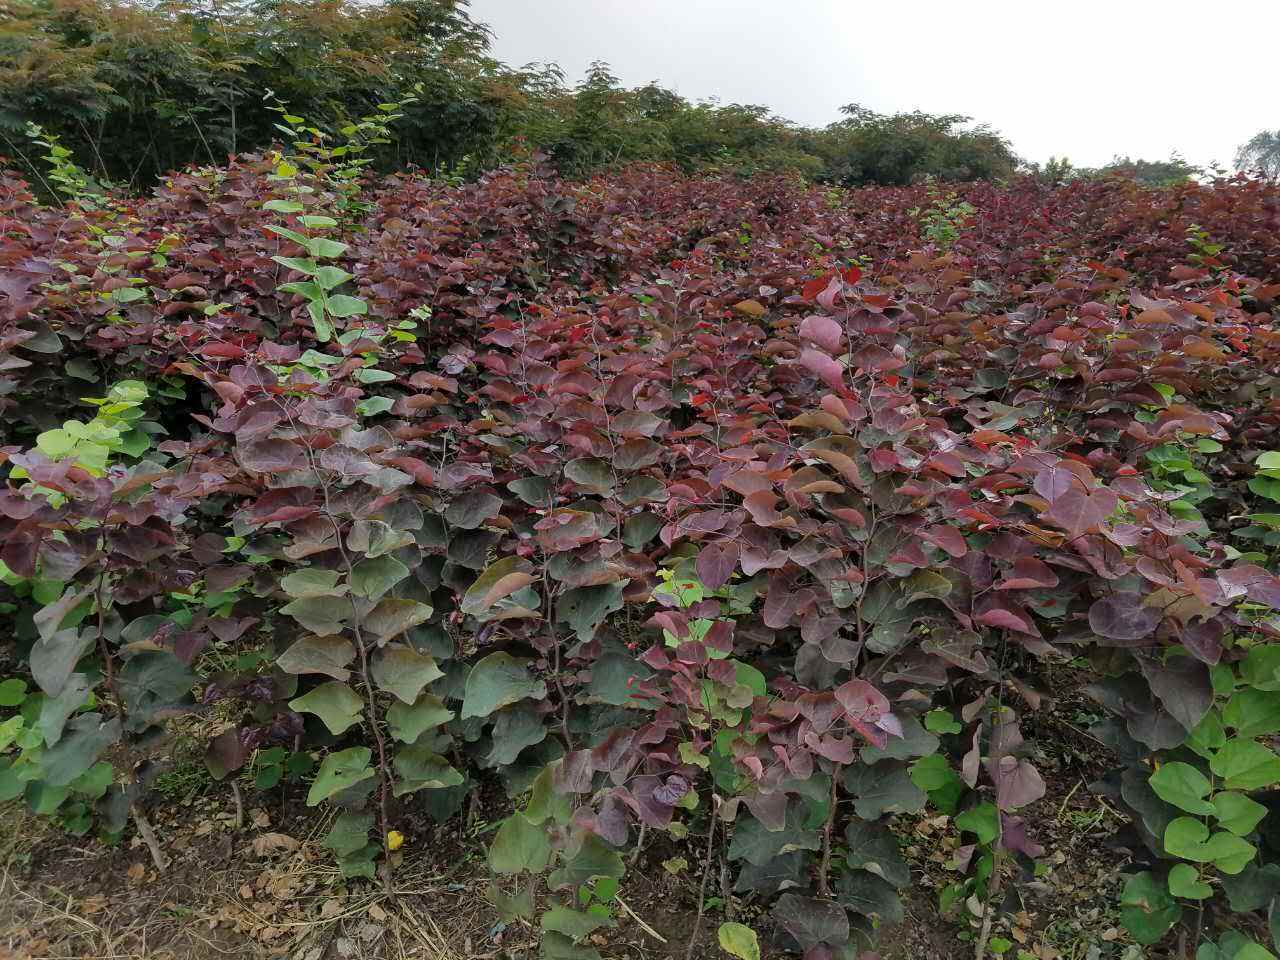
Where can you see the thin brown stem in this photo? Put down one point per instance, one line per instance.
(236, 796)
(108, 662)
(635, 854)
(988, 906)
(824, 886)
(702, 887)
(726, 890)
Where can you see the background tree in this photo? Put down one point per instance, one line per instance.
(138, 89)
(1261, 153)
(1152, 173)
(901, 148)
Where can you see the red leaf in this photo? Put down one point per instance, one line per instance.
(823, 331)
(823, 366)
(716, 563)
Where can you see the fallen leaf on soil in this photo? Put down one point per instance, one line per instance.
(268, 843)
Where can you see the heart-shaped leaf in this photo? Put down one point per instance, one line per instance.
(338, 771)
(740, 940)
(497, 681)
(312, 654)
(336, 704)
(1185, 882)
(519, 845)
(407, 722)
(403, 671)
(1184, 786)
(1246, 765)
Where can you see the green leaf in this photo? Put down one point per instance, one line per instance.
(1229, 853)
(408, 722)
(573, 924)
(591, 474)
(1237, 813)
(515, 728)
(302, 265)
(1267, 487)
(342, 305)
(1251, 951)
(1208, 735)
(152, 683)
(484, 598)
(12, 692)
(93, 783)
(288, 234)
(556, 946)
(1246, 765)
(519, 845)
(1147, 911)
(322, 248)
(336, 704)
(1252, 713)
(420, 768)
(283, 206)
(593, 859)
(739, 940)
(583, 609)
(87, 736)
(497, 681)
(403, 672)
(1185, 882)
(322, 615)
(1185, 837)
(330, 277)
(914, 742)
(1252, 888)
(9, 730)
(983, 821)
(372, 406)
(756, 844)
(339, 771)
(884, 787)
(932, 773)
(53, 658)
(1261, 667)
(872, 847)
(545, 802)
(941, 721)
(613, 675)
(1183, 786)
(511, 907)
(55, 711)
(393, 616)
(349, 833)
(1189, 839)
(312, 654)
(374, 576)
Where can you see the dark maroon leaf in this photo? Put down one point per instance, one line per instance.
(1123, 617)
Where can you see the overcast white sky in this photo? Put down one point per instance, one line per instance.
(1086, 78)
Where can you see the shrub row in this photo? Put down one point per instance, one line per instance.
(739, 508)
